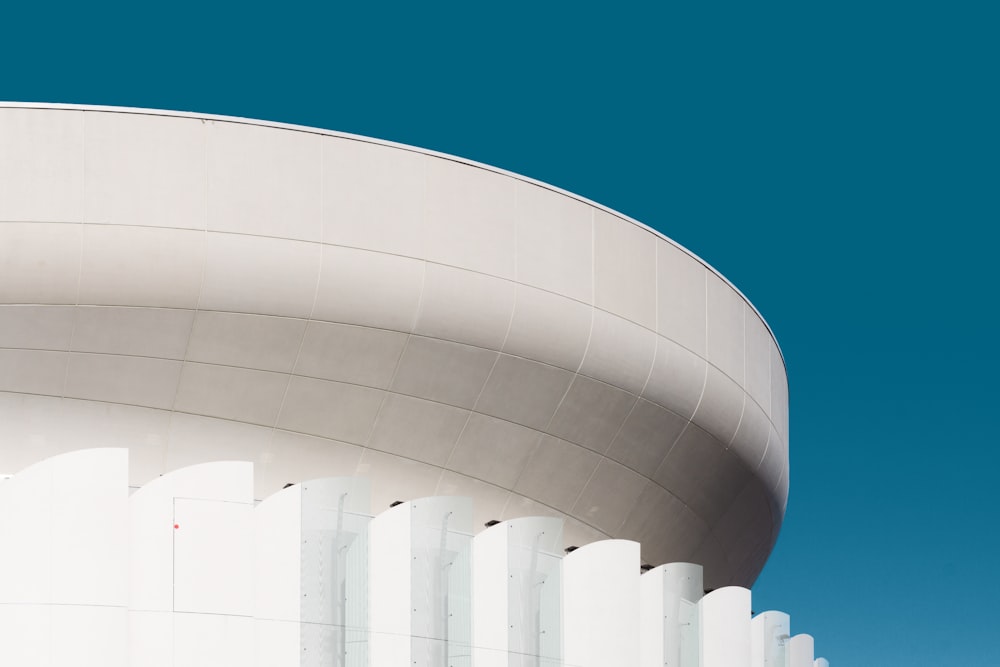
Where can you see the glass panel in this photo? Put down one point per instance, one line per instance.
(330, 528)
(776, 635)
(687, 618)
(441, 582)
(356, 593)
(535, 592)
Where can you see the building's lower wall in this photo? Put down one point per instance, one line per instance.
(190, 571)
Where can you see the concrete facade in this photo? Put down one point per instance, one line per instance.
(196, 288)
(190, 571)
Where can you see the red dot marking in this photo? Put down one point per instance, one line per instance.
(176, 526)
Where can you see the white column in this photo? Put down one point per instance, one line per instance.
(334, 512)
(277, 566)
(800, 651)
(724, 626)
(63, 575)
(601, 605)
(420, 584)
(191, 541)
(665, 594)
(517, 593)
(770, 632)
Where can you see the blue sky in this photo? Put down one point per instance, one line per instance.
(839, 162)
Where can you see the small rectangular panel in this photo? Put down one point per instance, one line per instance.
(264, 180)
(620, 353)
(779, 393)
(373, 196)
(391, 294)
(334, 410)
(39, 263)
(549, 328)
(750, 441)
(151, 524)
(721, 406)
(759, 343)
(33, 371)
(493, 450)
(555, 243)
(680, 294)
(145, 169)
(36, 327)
(439, 370)
(695, 459)
(591, 413)
(523, 391)
(253, 274)
(465, 307)
(41, 164)
(141, 266)
(646, 436)
(725, 341)
(676, 379)
(417, 429)
(609, 497)
(231, 393)
(346, 353)
(625, 269)
(147, 332)
(470, 217)
(114, 378)
(250, 341)
(665, 525)
(213, 557)
(557, 473)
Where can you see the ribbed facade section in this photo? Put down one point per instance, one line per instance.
(189, 570)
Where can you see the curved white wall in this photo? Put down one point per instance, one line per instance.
(197, 288)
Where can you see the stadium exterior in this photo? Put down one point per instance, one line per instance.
(178, 290)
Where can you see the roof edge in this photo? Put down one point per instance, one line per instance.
(396, 145)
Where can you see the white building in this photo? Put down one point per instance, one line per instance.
(195, 289)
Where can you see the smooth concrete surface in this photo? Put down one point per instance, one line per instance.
(197, 288)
